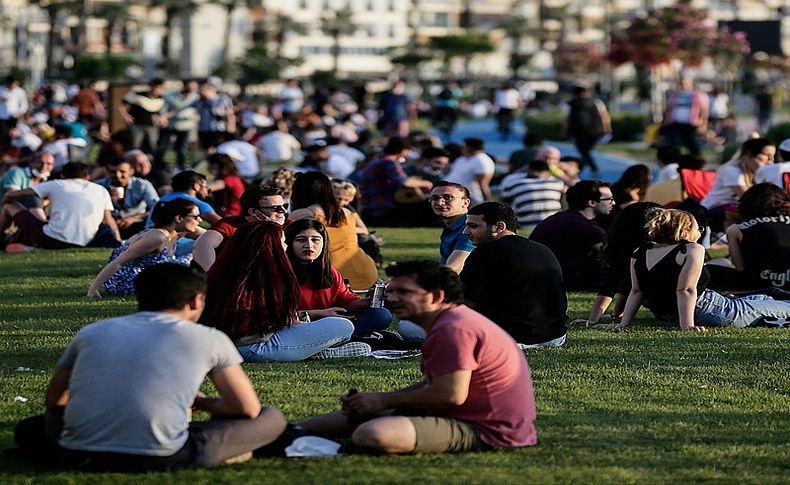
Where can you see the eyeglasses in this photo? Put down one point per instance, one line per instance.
(194, 216)
(277, 208)
(446, 198)
(604, 199)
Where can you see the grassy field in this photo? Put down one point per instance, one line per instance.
(650, 405)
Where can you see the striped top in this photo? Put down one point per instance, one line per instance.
(533, 199)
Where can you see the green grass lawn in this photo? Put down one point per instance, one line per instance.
(644, 406)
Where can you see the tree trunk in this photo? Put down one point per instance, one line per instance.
(108, 38)
(167, 64)
(226, 38)
(335, 53)
(49, 70)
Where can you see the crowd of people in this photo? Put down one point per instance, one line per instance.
(259, 250)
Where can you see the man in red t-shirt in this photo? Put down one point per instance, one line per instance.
(258, 203)
(476, 392)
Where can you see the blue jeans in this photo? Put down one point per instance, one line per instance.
(371, 320)
(299, 341)
(715, 310)
(411, 332)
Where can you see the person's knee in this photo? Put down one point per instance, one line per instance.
(383, 435)
(273, 420)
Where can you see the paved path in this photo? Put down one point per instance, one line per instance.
(611, 166)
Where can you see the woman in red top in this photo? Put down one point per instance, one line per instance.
(323, 291)
(227, 186)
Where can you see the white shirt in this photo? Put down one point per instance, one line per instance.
(292, 98)
(13, 102)
(351, 154)
(77, 209)
(279, 147)
(464, 170)
(772, 174)
(338, 167)
(507, 98)
(668, 172)
(60, 150)
(727, 177)
(248, 167)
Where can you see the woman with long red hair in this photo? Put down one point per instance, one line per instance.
(253, 294)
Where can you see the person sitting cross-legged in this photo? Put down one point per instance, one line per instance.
(121, 394)
(476, 393)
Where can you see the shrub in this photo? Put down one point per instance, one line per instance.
(110, 67)
(779, 132)
(549, 125)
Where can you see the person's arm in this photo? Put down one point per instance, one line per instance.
(11, 195)
(210, 217)
(360, 224)
(230, 116)
(58, 390)
(734, 240)
(633, 302)
(147, 243)
(418, 183)
(484, 179)
(600, 305)
(446, 391)
(687, 286)
(456, 260)
(237, 396)
(204, 249)
(216, 185)
(127, 221)
(109, 221)
(124, 112)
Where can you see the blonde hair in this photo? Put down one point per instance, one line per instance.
(668, 226)
(340, 186)
(282, 178)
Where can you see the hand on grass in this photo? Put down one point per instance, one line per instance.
(693, 328)
(93, 294)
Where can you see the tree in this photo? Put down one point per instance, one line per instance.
(282, 26)
(115, 14)
(173, 9)
(337, 24)
(577, 59)
(516, 28)
(256, 66)
(464, 45)
(53, 9)
(230, 6)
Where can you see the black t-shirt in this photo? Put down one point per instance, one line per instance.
(659, 284)
(517, 284)
(766, 252)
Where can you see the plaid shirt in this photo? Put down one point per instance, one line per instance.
(377, 185)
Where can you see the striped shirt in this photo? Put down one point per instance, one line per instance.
(533, 199)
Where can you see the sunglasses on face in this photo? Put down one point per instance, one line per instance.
(277, 208)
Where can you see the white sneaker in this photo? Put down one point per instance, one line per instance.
(350, 349)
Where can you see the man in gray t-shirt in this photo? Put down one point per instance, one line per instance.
(123, 391)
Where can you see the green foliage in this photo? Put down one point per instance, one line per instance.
(650, 405)
(323, 78)
(779, 132)
(460, 45)
(627, 126)
(109, 67)
(549, 125)
(256, 66)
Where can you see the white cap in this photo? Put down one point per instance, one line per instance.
(785, 145)
(230, 151)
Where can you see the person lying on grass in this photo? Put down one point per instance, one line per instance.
(476, 393)
(121, 394)
(670, 279)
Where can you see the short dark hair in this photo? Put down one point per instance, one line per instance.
(75, 170)
(435, 152)
(474, 143)
(64, 131)
(182, 181)
(251, 198)
(445, 183)
(754, 146)
(692, 162)
(167, 286)
(667, 154)
(538, 166)
(767, 200)
(494, 212)
(431, 275)
(395, 146)
(583, 192)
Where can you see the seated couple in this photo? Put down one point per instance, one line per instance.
(476, 394)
